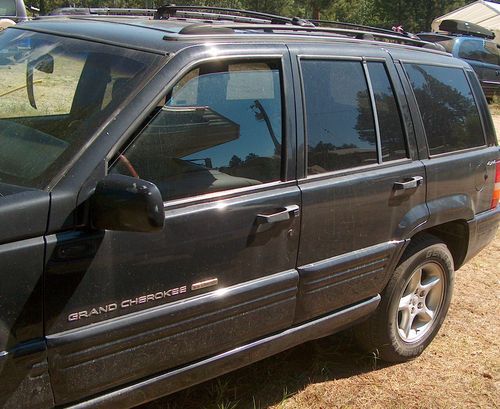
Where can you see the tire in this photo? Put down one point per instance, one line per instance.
(414, 303)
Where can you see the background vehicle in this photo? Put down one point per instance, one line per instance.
(183, 196)
(13, 10)
(475, 45)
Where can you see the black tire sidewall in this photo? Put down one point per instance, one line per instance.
(400, 350)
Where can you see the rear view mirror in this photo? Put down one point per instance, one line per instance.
(44, 64)
(126, 203)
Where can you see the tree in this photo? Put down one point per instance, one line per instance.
(415, 15)
(312, 8)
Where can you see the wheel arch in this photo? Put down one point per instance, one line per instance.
(455, 234)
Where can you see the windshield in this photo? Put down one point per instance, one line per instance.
(54, 95)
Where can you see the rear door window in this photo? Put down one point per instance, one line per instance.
(339, 117)
(340, 120)
(447, 106)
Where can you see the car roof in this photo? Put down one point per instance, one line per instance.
(164, 36)
(124, 32)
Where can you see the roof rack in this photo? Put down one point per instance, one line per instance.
(206, 12)
(209, 29)
(354, 26)
(270, 23)
(101, 11)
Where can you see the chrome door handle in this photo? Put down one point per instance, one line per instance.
(410, 183)
(286, 214)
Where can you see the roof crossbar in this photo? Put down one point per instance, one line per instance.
(167, 11)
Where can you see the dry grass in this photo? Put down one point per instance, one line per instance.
(460, 369)
(53, 92)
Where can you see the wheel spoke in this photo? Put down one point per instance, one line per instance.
(415, 280)
(432, 282)
(408, 324)
(426, 314)
(404, 303)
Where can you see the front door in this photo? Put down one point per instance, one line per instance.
(222, 272)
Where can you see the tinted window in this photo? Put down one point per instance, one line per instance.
(389, 119)
(221, 128)
(8, 8)
(479, 50)
(339, 117)
(448, 109)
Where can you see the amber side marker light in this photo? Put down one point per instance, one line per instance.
(496, 189)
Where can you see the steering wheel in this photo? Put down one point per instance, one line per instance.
(130, 168)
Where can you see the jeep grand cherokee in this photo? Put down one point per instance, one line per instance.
(184, 195)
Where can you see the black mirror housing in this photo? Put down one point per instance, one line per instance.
(126, 203)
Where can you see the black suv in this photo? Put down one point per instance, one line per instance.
(185, 195)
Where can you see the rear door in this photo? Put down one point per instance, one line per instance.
(220, 145)
(452, 125)
(362, 185)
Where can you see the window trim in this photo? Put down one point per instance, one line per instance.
(225, 194)
(374, 112)
(123, 143)
(421, 120)
(357, 169)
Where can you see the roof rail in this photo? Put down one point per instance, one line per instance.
(208, 29)
(167, 11)
(354, 26)
(270, 23)
(101, 11)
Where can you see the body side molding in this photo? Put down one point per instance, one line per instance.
(217, 365)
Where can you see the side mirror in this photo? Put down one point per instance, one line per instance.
(125, 203)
